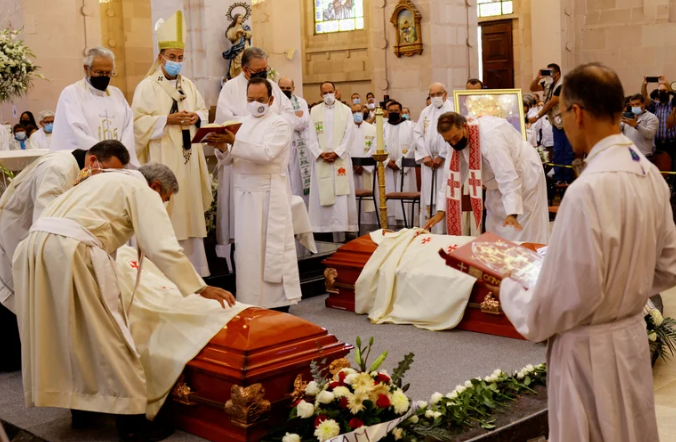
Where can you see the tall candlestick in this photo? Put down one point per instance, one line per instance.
(381, 156)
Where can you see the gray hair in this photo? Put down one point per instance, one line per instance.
(162, 174)
(44, 114)
(253, 53)
(98, 52)
(443, 86)
(530, 99)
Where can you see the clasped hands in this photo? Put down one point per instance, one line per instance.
(328, 157)
(221, 141)
(183, 118)
(435, 163)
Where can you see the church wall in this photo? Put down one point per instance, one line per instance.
(58, 32)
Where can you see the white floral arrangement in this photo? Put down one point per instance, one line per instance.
(17, 71)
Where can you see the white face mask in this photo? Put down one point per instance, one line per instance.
(329, 99)
(371, 106)
(257, 109)
(438, 101)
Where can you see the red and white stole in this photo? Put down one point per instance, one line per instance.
(454, 185)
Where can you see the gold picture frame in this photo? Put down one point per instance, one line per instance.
(407, 29)
(503, 103)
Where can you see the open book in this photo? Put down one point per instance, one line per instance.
(233, 126)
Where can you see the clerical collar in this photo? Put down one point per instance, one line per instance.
(607, 143)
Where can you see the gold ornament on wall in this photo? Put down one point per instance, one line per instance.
(407, 28)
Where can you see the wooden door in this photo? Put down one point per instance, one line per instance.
(497, 54)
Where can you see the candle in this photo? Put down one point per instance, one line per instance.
(379, 131)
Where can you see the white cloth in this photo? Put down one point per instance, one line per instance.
(15, 144)
(168, 329)
(296, 163)
(5, 136)
(364, 144)
(399, 143)
(267, 267)
(232, 106)
(85, 116)
(405, 281)
(429, 143)
(543, 134)
(40, 139)
(515, 181)
(23, 202)
(342, 215)
(302, 228)
(643, 135)
(613, 246)
(73, 352)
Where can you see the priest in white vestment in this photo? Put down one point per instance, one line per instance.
(490, 152)
(300, 167)
(42, 138)
(232, 105)
(430, 151)
(400, 143)
(267, 268)
(613, 246)
(45, 179)
(90, 110)
(168, 110)
(333, 207)
(364, 144)
(77, 349)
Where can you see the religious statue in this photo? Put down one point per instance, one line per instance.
(406, 20)
(239, 35)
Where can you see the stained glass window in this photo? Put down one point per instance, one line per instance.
(338, 15)
(491, 8)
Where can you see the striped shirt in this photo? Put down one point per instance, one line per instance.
(662, 111)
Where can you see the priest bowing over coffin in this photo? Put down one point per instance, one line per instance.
(493, 154)
(168, 110)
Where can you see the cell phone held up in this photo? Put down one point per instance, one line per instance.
(546, 72)
(652, 79)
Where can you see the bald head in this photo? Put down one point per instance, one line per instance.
(356, 108)
(436, 88)
(285, 82)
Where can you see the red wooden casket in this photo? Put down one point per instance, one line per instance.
(346, 264)
(241, 384)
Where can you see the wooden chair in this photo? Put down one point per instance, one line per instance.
(365, 194)
(406, 197)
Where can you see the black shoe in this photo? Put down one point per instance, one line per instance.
(136, 428)
(82, 419)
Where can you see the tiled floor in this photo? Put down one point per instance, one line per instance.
(664, 376)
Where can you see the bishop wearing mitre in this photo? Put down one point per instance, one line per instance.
(91, 110)
(490, 152)
(168, 110)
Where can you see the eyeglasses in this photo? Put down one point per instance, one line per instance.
(103, 73)
(437, 94)
(266, 70)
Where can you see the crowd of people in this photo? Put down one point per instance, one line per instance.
(115, 170)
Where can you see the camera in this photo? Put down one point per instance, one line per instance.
(652, 79)
(546, 72)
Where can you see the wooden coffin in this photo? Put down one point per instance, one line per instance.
(343, 269)
(241, 384)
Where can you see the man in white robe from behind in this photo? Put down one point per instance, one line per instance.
(300, 167)
(430, 151)
(490, 152)
(613, 246)
(232, 105)
(42, 138)
(364, 144)
(91, 110)
(77, 349)
(400, 143)
(333, 207)
(267, 269)
(168, 110)
(45, 179)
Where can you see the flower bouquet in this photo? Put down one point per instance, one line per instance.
(17, 71)
(661, 333)
(469, 404)
(350, 402)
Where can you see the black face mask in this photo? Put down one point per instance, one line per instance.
(100, 83)
(261, 74)
(460, 145)
(393, 117)
(288, 94)
(366, 115)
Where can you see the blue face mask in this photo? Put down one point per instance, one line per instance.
(173, 68)
(358, 117)
(20, 136)
(637, 110)
(356, 101)
(405, 116)
(49, 127)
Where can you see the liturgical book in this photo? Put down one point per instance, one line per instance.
(202, 132)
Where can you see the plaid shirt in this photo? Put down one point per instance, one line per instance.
(662, 111)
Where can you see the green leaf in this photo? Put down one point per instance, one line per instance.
(527, 381)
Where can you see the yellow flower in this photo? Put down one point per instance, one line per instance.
(377, 391)
(363, 383)
(356, 402)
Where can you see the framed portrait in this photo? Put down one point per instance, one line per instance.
(406, 22)
(503, 103)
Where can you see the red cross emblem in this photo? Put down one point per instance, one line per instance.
(133, 264)
(341, 171)
(417, 233)
(474, 184)
(451, 248)
(425, 240)
(453, 184)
